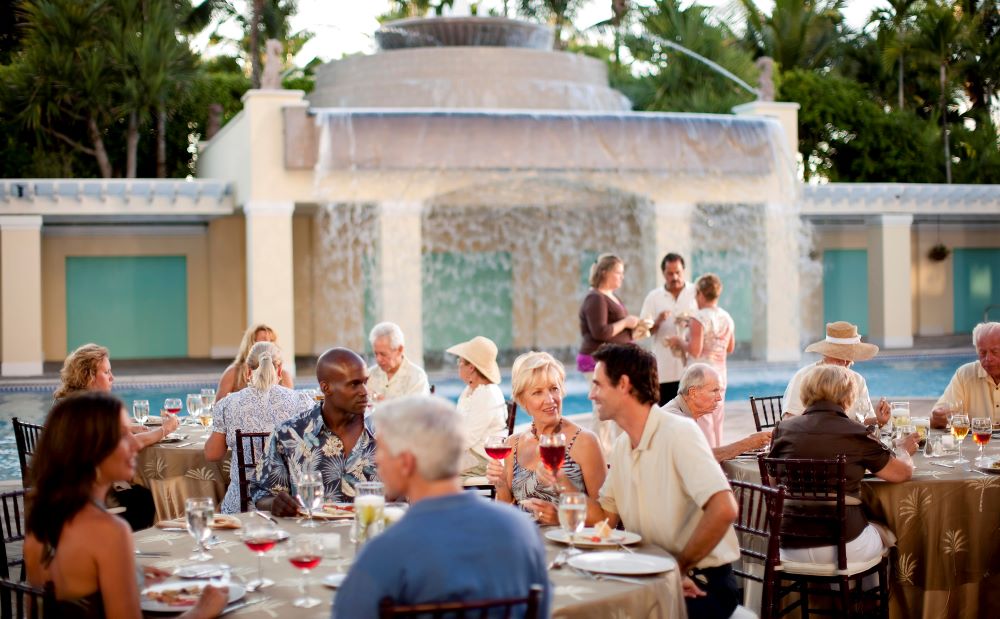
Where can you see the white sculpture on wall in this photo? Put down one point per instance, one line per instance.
(271, 79)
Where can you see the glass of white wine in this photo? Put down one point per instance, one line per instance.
(369, 510)
(959, 429)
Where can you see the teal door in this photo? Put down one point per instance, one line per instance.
(977, 286)
(845, 287)
(136, 306)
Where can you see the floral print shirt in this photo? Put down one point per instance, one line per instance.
(306, 443)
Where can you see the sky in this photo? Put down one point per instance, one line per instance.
(346, 26)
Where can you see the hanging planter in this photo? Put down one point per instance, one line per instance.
(939, 252)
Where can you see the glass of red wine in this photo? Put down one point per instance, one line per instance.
(305, 554)
(172, 406)
(259, 535)
(497, 448)
(982, 432)
(552, 448)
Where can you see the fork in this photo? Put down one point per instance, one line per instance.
(558, 561)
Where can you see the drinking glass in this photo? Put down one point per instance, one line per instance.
(552, 448)
(572, 514)
(208, 397)
(982, 432)
(172, 405)
(309, 493)
(900, 413)
(259, 535)
(193, 404)
(392, 513)
(951, 409)
(305, 553)
(199, 512)
(369, 510)
(140, 411)
(923, 425)
(959, 429)
(497, 448)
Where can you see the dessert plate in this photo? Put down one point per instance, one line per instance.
(588, 538)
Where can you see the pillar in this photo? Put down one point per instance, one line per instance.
(270, 290)
(786, 113)
(777, 320)
(890, 301)
(672, 233)
(21, 295)
(400, 278)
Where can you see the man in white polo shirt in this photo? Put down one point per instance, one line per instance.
(664, 482)
(664, 305)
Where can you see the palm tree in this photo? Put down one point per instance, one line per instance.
(559, 12)
(797, 33)
(895, 20)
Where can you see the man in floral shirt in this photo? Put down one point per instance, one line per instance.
(333, 439)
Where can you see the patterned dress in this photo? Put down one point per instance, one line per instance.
(525, 485)
(252, 410)
(306, 443)
(716, 329)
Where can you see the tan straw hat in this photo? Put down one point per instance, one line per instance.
(843, 342)
(481, 352)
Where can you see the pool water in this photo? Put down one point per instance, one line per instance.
(898, 377)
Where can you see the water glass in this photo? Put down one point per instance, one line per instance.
(193, 404)
(199, 512)
(208, 397)
(953, 408)
(959, 429)
(309, 494)
(900, 413)
(572, 515)
(140, 411)
(923, 426)
(259, 535)
(305, 553)
(369, 510)
(392, 513)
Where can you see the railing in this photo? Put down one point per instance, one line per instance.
(124, 195)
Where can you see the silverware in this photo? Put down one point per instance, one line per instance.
(257, 512)
(558, 561)
(604, 577)
(947, 466)
(626, 548)
(235, 606)
(174, 529)
(184, 444)
(151, 553)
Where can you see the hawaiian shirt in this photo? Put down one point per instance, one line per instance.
(305, 443)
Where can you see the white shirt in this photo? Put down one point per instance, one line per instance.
(791, 403)
(669, 366)
(660, 487)
(483, 412)
(409, 379)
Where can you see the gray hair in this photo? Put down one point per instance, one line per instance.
(426, 426)
(984, 330)
(696, 375)
(390, 330)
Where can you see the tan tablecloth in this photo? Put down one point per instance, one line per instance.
(946, 563)
(573, 595)
(176, 471)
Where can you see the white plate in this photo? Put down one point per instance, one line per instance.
(989, 468)
(583, 538)
(236, 592)
(622, 563)
(334, 580)
(201, 570)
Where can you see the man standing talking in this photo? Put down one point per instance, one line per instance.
(664, 305)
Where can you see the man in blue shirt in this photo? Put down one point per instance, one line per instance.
(451, 545)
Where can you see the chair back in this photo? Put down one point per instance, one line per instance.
(815, 506)
(759, 531)
(25, 435)
(766, 411)
(511, 416)
(249, 448)
(11, 529)
(481, 608)
(19, 600)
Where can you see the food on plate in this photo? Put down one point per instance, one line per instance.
(338, 509)
(995, 464)
(181, 596)
(601, 531)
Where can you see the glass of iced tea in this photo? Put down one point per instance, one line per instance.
(982, 432)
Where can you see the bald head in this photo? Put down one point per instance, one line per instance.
(336, 359)
(343, 378)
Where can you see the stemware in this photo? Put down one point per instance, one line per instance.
(199, 512)
(496, 447)
(193, 403)
(259, 535)
(552, 449)
(572, 514)
(982, 432)
(172, 405)
(369, 510)
(951, 409)
(208, 397)
(140, 411)
(305, 553)
(309, 493)
(959, 429)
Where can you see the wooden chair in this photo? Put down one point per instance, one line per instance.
(511, 416)
(815, 514)
(246, 459)
(758, 529)
(12, 530)
(25, 435)
(481, 608)
(19, 600)
(770, 411)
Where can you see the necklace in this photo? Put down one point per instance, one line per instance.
(534, 430)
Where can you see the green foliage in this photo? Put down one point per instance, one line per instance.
(797, 33)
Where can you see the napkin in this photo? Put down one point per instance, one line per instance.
(219, 521)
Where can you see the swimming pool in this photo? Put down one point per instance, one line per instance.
(900, 377)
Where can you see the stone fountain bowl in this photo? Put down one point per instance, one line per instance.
(463, 31)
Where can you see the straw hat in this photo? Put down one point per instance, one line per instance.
(481, 352)
(843, 342)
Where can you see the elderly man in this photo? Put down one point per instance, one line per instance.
(700, 394)
(976, 385)
(393, 375)
(664, 305)
(451, 545)
(664, 482)
(333, 440)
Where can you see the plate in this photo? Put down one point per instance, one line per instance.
(158, 605)
(202, 571)
(622, 563)
(154, 420)
(991, 468)
(172, 438)
(334, 580)
(332, 511)
(583, 539)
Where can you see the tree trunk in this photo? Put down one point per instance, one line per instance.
(255, 18)
(944, 127)
(131, 145)
(100, 153)
(900, 82)
(161, 141)
(558, 31)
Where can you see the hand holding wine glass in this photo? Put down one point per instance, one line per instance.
(552, 450)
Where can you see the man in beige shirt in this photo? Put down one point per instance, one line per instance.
(975, 387)
(664, 482)
(393, 375)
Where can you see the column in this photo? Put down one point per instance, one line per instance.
(890, 309)
(21, 295)
(777, 319)
(786, 113)
(672, 233)
(270, 290)
(400, 280)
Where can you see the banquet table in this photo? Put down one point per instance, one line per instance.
(946, 563)
(176, 471)
(574, 595)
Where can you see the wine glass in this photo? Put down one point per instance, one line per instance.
(199, 512)
(193, 404)
(140, 411)
(982, 432)
(497, 448)
(959, 429)
(369, 510)
(172, 405)
(208, 397)
(259, 535)
(951, 409)
(309, 493)
(305, 553)
(572, 514)
(552, 448)
(205, 416)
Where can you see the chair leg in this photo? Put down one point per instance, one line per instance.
(883, 590)
(845, 597)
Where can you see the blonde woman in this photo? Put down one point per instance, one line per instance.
(234, 377)
(538, 387)
(262, 405)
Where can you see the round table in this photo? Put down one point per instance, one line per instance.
(176, 471)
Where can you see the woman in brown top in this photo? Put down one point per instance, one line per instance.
(603, 317)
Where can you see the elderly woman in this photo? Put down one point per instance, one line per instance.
(481, 406)
(259, 407)
(73, 544)
(234, 377)
(824, 431)
(538, 387)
